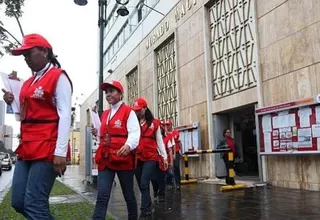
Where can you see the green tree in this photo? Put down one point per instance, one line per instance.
(13, 9)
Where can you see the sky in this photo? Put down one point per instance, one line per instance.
(72, 31)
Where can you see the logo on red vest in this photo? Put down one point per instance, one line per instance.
(117, 124)
(38, 93)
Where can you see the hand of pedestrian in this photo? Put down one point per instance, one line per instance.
(166, 165)
(94, 131)
(8, 97)
(59, 165)
(124, 151)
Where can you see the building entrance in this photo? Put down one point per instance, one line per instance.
(241, 122)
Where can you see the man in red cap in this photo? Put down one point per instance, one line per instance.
(119, 137)
(177, 151)
(45, 115)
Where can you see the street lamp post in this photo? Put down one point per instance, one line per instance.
(102, 23)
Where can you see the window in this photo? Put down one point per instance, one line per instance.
(139, 15)
(111, 19)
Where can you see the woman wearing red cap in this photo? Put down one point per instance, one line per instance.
(159, 183)
(120, 135)
(147, 152)
(45, 115)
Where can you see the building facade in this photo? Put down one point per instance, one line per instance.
(216, 62)
(7, 136)
(2, 112)
(74, 137)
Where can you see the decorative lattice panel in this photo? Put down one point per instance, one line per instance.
(166, 82)
(233, 46)
(132, 81)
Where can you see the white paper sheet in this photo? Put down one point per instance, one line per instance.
(316, 130)
(304, 116)
(317, 114)
(95, 119)
(266, 123)
(304, 137)
(267, 142)
(195, 139)
(13, 86)
(283, 121)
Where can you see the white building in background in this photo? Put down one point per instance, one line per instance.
(6, 136)
(2, 112)
(123, 34)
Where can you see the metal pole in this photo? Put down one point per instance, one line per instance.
(101, 23)
(72, 147)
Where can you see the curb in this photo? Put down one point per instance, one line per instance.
(5, 191)
(87, 198)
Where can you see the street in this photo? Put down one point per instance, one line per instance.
(5, 180)
(204, 201)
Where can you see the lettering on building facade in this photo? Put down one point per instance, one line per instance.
(182, 9)
(159, 32)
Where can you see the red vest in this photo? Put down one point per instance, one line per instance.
(39, 128)
(116, 130)
(148, 147)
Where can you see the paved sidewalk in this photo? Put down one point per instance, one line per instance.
(204, 201)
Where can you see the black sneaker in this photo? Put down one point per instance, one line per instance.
(161, 198)
(178, 187)
(155, 195)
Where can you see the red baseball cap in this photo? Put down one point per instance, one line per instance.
(113, 83)
(30, 41)
(139, 104)
(168, 122)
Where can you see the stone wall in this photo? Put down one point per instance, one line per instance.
(289, 54)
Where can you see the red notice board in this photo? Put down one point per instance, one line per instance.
(290, 128)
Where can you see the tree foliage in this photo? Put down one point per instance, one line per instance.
(13, 9)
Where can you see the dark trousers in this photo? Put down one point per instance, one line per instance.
(104, 187)
(159, 183)
(176, 169)
(169, 176)
(31, 186)
(144, 174)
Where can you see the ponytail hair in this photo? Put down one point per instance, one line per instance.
(148, 116)
(53, 59)
(163, 132)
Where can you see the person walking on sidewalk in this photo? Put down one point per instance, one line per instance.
(119, 137)
(177, 152)
(45, 115)
(159, 183)
(227, 142)
(147, 153)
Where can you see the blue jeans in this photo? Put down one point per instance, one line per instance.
(105, 181)
(159, 184)
(176, 169)
(169, 177)
(31, 186)
(144, 174)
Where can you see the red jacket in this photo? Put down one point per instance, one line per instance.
(148, 147)
(175, 134)
(116, 130)
(39, 125)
